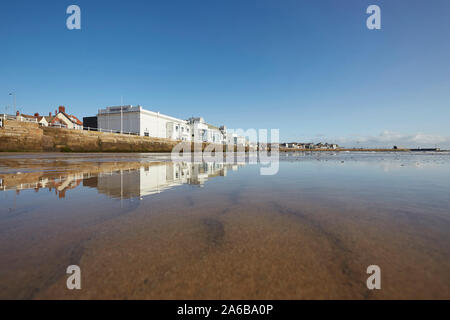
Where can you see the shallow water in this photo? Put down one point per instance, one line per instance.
(141, 226)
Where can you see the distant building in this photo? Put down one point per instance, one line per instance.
(334, 146)
(290, 145)
(309, 146)
(35, 118)
(326, 146)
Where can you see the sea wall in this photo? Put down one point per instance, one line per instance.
(30, 137)
(21, 136)
(56, 139)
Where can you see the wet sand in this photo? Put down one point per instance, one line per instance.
(307, 233)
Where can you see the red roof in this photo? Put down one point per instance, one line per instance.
(72, 118)
(51, 119)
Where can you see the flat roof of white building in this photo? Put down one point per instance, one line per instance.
(138, 108)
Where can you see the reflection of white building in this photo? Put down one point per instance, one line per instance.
(202, 171)
(129, 183)
(156, 178)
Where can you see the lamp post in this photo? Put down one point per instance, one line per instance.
(121, 115)
(14, 99)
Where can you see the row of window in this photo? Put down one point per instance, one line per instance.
(182, 129)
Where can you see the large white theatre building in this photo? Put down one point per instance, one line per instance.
(137, 120)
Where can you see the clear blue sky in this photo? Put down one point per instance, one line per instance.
(310, 68)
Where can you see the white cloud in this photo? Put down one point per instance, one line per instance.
(390, 138)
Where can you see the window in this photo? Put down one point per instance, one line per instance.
(176, 128)
(146, 134)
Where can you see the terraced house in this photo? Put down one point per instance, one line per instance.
(59, 119)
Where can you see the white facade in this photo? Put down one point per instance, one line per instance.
(214, 135)
(203, 132)
(231, 138)
(199, 129)
(234, 139)
(43, 122)
(137, 120)
(113, 119)
(178, 131)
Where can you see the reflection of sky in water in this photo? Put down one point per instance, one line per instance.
(376, 177)
(315, 225)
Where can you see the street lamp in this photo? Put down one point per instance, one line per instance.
(121, 114)
(14, 98)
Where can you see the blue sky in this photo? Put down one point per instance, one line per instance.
(310, 68)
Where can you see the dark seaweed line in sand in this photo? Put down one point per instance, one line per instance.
(342, 253)
(74, 258)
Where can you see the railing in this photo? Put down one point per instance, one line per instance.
(7, 117)
(111, 131)
(23, 119)
(4, 117)
(93, 129)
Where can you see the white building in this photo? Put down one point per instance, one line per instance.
(231, 138)
(203, 132)
(137, 120)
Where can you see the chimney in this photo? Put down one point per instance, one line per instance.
(62, 109)
(36, 115)
(49, 114)
(56, 112)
